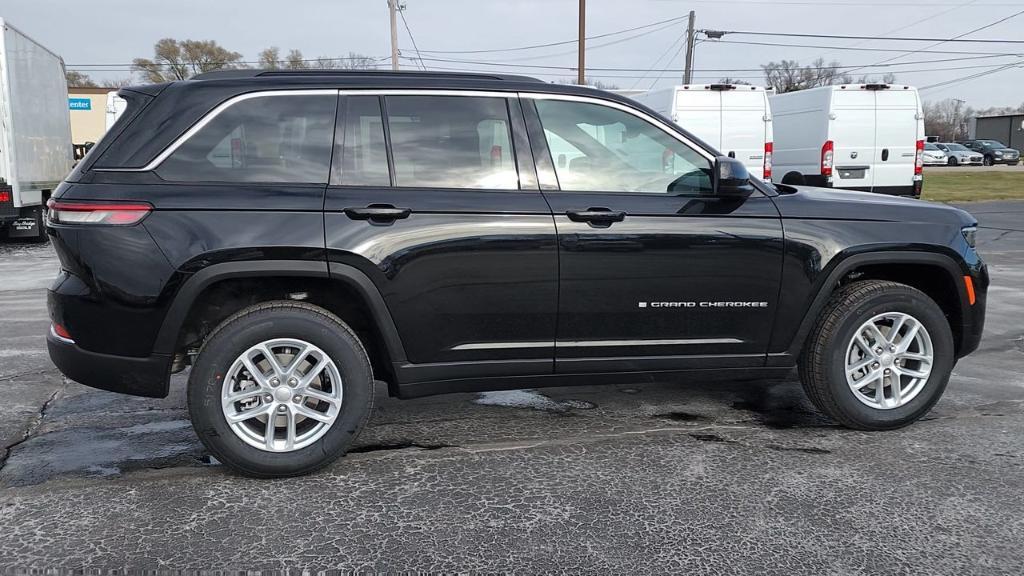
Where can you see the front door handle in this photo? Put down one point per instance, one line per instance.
(885, 154)
(378, 213)
(597, 216)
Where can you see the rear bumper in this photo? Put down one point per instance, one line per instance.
(147, 376)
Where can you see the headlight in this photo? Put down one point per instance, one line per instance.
(998, 152)
(970, 233)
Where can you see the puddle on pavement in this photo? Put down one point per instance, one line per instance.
(101, 452)
(532, 400)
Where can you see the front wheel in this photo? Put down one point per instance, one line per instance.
(280, 389)
(987, 161)
(879, 356)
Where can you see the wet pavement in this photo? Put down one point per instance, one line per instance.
(659, 477)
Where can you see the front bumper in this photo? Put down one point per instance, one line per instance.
(148, 376)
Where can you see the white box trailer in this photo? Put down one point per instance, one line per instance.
(35, 131)
(735, 119)
(867, 137)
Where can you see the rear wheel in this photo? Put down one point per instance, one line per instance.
(879, 357)
(953, 161)
(987, 161)
(280, 389)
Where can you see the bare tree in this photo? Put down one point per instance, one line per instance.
(78, 79)
(270, 59)
(589, 82)
(946, 119)
(733, 81)
(888, 78)
(118, 83)
(789, 75)
(180, 60)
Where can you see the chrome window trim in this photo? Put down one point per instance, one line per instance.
(624, 108)
(180, 140)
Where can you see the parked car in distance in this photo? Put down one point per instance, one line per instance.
(993, 152)
(295, 236)
(960, 155)
(735, 119)
(933, 155)
(867, 137)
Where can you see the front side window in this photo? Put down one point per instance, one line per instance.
(598, 148)
(451, 142)
(273, 138)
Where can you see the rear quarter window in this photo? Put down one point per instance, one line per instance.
(271, 138)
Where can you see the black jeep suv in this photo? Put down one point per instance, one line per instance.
(294, 236)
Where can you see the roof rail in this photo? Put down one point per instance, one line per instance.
(257, 73)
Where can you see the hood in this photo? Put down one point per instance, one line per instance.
(832, 204)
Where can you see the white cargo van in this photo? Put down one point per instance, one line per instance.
(734, 119)
(867, 137)
(35, 131)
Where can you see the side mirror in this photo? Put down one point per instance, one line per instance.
(731, 178)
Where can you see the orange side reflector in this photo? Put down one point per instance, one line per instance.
(969, 285)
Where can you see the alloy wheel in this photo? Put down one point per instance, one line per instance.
(282, 395)
(889, 360)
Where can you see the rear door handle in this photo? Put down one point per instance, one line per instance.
(603, 216)
(378, 213)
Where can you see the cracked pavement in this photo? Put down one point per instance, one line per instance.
(653, 477)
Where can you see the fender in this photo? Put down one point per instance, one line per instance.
(843, 267)
(196, 283)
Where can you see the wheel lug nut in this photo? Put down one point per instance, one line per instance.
(282, 408)
(275, 382)
(875, 365)
(268, 398)
(293, 382)
(297, 399)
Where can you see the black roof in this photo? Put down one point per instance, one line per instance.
(365, 74)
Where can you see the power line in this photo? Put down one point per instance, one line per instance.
(856, 49)
(893, 38)
(955, 38)
(560, 43)
(914, 23)
(658, 60)
(662, 73)
(1018, 64)
(409, 32)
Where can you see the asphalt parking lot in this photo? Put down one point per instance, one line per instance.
(658, 477)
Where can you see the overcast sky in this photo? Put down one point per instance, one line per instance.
(115, 31)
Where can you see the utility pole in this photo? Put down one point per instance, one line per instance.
(690, 37)
(393, 9)
(581, 73)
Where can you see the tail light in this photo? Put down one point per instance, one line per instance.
(767, 161)
(5, 195)
(827, 156)
(110, 214)
(919, 158)
(61, 333)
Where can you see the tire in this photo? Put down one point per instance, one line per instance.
(823, 363)
(987, 161)
(953, 161)
(219, 360)
(794, 179)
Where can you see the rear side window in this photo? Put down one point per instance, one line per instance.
(451, 142)
(274, 138)
(362, 157)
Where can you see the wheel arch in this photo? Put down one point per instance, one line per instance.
(339, 288)
(933, 273)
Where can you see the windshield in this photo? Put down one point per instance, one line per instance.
(956, 147)
(992, 143)
(931, 146)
